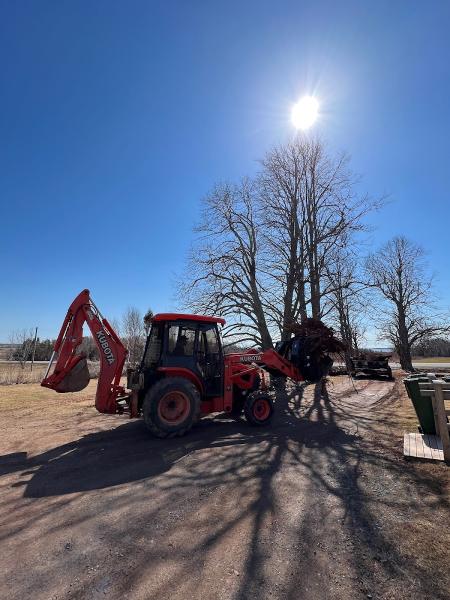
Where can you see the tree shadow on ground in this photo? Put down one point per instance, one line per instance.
(319, 438)
(121, 455)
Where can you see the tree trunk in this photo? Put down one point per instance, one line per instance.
(345, 330)
(266, 338)
(302, 296)
(288, 300)
(404, 349)
(313, 271)
(315, 298)
(405, 358)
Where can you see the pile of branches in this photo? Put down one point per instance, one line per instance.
(312, 356)
(372, 355)
(321, 339)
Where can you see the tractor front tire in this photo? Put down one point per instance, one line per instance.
(258, 408)
(171, 407)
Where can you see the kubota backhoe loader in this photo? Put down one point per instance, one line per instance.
(183, 372)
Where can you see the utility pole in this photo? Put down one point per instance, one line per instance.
(34, 348)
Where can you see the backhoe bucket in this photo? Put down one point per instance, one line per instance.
(76, 379)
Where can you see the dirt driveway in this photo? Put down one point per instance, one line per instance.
(321, 505)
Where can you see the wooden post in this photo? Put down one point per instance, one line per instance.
(34, 348)
(440, 417)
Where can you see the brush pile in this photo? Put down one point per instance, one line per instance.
(321, 339)
(310, 348)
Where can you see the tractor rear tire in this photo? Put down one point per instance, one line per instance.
(171, 407)
(258, 408)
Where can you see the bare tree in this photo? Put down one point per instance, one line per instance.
(133, 332)
(12, 345)
(263, 246)
(284, 232)
(89, 348)
(225, 265)
(22, 341)
(347, 300)
(432, 347)
(398, 271)
(311, 210)
(116, 324)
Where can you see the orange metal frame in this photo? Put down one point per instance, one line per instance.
(239, 369)
(111, 350)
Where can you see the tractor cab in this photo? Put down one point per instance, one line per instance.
(188, 346)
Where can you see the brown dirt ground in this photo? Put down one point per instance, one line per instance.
(321, 505)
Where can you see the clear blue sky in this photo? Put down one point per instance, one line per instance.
(116, 117)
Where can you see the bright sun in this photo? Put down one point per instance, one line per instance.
(305, 112)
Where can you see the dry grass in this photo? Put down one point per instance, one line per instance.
(11, 373)
(23, 398)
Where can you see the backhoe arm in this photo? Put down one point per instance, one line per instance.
(70, 373)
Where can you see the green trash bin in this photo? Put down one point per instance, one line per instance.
(422, 404)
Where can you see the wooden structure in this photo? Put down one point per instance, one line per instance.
(433, 447)
(418, 445)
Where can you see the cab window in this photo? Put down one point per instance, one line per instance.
(154, 345)
(212, 343)
(202, 343)
(181, 341)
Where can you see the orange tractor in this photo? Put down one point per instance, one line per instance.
(183, 373)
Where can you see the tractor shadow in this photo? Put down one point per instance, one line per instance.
(121, 455)
(128, 453)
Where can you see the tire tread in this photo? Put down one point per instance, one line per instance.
(251, 398)
(160, 388)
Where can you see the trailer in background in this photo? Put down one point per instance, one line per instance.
(371, 365)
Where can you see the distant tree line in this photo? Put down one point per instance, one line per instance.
(132, 329)
(432, 347)
(24, 352)
(44, 349)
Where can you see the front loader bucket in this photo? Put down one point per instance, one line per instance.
(76, 379)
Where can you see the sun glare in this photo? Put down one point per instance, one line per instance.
(305, 112)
